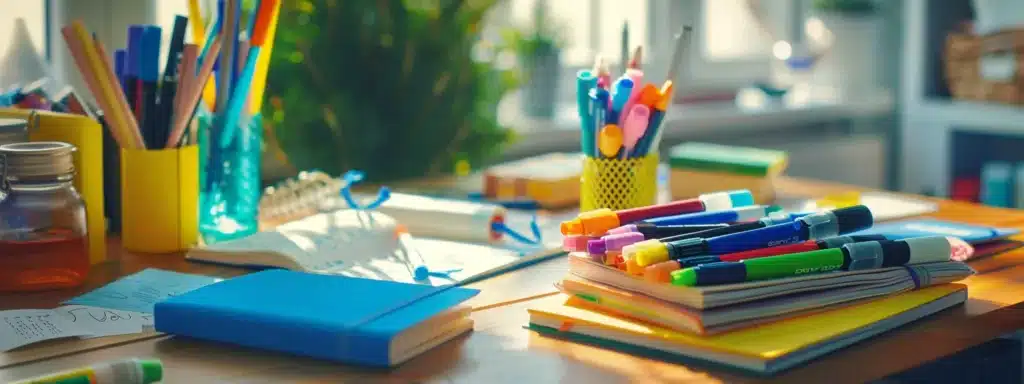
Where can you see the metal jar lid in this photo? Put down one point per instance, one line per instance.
(36, 160)
(13, 130)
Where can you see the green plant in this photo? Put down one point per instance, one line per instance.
(388, 87)
(851, 7)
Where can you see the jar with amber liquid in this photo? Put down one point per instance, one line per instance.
(43, 243)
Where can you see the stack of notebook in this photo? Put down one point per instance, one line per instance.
(758, 294)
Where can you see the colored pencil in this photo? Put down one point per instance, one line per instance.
(240, 96)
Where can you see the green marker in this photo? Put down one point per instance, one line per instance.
(853, 256)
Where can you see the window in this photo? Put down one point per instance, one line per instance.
(33, 14)
(731, 44)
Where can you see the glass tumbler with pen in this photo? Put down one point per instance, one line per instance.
(621, 122)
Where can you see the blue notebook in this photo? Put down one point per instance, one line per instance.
(346, 319)
(973, 234)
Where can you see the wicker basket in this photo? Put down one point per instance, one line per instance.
(1003, 53)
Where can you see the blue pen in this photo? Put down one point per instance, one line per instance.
(815, 226)
(133, 60)
(732, 215)
(621, 90)
(599, 109)
(809, 245)
(120, 57)
(585, 82)
(149, 72)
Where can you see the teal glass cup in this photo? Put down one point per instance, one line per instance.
(230, 185)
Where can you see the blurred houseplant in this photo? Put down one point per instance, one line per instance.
(853, 28)
(388, 87)
(538, 47)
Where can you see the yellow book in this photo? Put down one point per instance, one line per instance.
(767, 348)
(87, 136)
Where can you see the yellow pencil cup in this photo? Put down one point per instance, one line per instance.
(160, 199)
(618, 183)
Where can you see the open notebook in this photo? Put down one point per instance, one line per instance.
(360, 243)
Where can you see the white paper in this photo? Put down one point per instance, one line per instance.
(99, 322)
(26, 326)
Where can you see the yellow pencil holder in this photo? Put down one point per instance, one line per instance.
(618, 183)
(160, 199)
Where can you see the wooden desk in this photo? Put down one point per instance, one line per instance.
(501, 350)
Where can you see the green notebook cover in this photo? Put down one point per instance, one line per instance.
(730, 159)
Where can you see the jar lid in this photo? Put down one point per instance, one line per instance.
(37, 159)
(12, 125)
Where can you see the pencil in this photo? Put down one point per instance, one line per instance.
(226, 69)
(259, 79)
(198, 27)
(194, 94)
(88, 74)
(119, 100)
(240, 95)
(186, 83)
(682, 43)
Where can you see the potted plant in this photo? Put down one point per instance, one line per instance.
(851, 64)
(538, 48)
(390, 88)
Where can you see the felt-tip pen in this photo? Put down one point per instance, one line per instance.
(132, 371)
(851, 257)
(774, 218)
(662, 271)
(733, 215)
(814, 226)
(597, 222)
(616, 240)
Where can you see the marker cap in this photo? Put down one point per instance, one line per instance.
(616, 242)
(575, 243)
(855, 218)
(866, 255)
(596, 247)
(719, 201)
(929, 249)
(623, 229)
(152, 371)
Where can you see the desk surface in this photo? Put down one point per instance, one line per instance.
(501, 350)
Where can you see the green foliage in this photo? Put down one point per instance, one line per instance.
(384, 86)
(851, 7)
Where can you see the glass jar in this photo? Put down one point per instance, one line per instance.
(43, 243)
(13, 131)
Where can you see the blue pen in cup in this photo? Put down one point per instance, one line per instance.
(621, 91)
(599, 104)
(585, 83)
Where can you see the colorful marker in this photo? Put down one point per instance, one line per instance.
(575, 243)
(134, 371)
(617, 240)
(774, 218)
(851, 257)
(621, 91)
(585, 81)
(598, 221)
(651, 231)
(662, 271)
(733, 215)
(814, 226)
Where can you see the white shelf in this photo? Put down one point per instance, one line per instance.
(972, 116)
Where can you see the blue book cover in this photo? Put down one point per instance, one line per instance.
(973, 234)
(346, 319)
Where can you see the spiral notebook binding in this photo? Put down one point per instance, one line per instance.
(299, 196)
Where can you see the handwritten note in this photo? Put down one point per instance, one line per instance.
(26, 326)
(138, 292)
(99, 322)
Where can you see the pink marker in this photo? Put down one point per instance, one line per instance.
(634, 127)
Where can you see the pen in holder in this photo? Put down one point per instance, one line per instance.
(618, 183)
(160, 199)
